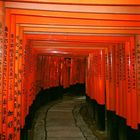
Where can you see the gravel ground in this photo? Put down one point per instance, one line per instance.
(101, 135)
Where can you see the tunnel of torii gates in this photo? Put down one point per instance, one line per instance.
(64, 42)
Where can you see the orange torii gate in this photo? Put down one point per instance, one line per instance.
(29, 25)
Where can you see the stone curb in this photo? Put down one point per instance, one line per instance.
(87, 133)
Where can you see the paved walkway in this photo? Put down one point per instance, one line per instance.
(61, 121)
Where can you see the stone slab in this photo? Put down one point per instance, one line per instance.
(66, 138)
(64, 133)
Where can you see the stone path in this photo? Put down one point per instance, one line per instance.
(61, 121)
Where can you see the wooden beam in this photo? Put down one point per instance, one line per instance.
(75, 15)
(85, 2)
(76, 8)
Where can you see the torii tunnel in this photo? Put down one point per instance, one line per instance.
(53, 43)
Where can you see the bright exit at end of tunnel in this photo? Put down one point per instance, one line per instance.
(69, 70)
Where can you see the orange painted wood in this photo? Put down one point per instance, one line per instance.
(18, 50)
(75, 15)
(112, 77)
(83, 30)
(5, 79)
(95, 72)
(1, 64)
(133, 86)
(72, 37)
(128, 88)
(137, 73)
(23, 93)
(67, 21)
(119, 2)
(59, 54)
(11, 85)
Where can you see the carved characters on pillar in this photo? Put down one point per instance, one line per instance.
(10, 117)
(133, 60)
(5, 83)
(18, 81)
(138, 77)
(1, 55)
(137, 52)
(138, 67)
(1, 73)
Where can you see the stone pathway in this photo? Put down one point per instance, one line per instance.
(61, 121)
